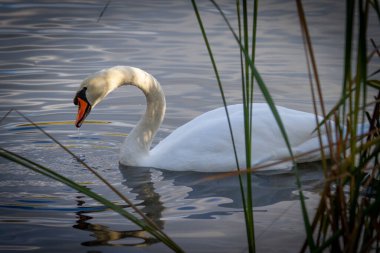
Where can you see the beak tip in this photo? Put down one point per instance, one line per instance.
(78, 124)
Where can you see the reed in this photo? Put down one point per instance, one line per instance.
(347, 218)
(140, 219)
(249, 74)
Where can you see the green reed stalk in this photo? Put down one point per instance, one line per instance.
(259, 80)
(275, 113)
(147, 224)
(246, 86)
(249, 74)
(247, 94)
(217, 77)
(247, 97)
(248, 212)
(249, 225)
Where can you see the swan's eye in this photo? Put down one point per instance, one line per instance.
(76, 100)
(80, 94)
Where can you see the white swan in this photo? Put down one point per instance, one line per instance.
(203, 144)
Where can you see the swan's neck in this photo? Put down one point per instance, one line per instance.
(138, 142)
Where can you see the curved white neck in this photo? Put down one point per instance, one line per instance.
(138, 142)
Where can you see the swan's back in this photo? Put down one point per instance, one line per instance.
(204, 144)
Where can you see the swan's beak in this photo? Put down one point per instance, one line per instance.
(84, 107)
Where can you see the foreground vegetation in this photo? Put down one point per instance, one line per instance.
(348, 216)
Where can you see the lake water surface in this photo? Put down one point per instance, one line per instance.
(48, 47)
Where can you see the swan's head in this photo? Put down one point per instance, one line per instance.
(91, 91)
(97, 86)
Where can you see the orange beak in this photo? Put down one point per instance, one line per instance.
(84, 109)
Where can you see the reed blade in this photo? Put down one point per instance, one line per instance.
(50, 173)
(62, 179)
(247, 211)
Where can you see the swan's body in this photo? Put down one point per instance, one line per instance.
(203, 144)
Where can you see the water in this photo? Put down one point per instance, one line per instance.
(47, 48)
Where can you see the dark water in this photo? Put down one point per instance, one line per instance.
(48, 47)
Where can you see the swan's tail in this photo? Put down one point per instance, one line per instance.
(310, 150)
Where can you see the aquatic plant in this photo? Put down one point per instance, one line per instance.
(348, 215)
(249, 73)
(346, 220)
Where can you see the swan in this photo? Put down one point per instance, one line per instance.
(203, 144)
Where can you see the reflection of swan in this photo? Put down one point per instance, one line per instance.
(203, 144)
(103, 235)
(193, 194)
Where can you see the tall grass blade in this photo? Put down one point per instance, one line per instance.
(117, 192)
(247, 214)
(249, 137)
(217, 77)
(53, 175)
(374, 83)
(310, 55)
(250, 66)
(259, 80)
(311, 60)
(247, 95)
(346, 85)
